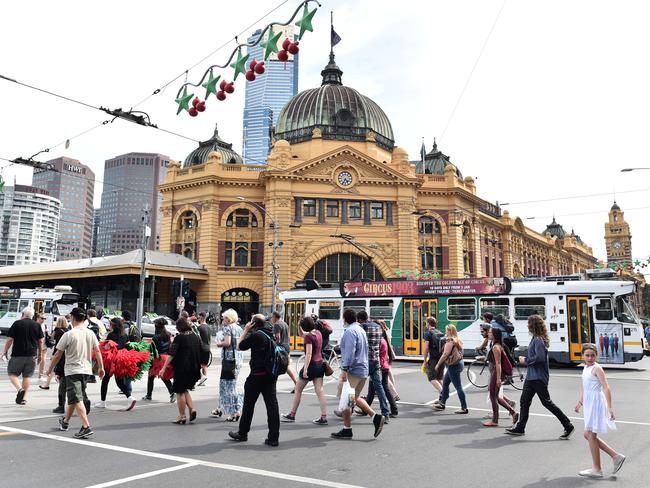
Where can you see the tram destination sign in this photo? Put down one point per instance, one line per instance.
(478, 286)
(9, 293)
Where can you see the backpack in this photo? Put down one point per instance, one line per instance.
(435, 349)
(511, 342)
(506, 366)
(278, 357)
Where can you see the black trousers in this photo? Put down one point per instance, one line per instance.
(254, 385)
(539, 388)
(124, 386)
(168, 384)
(61, 392)
(371, 392)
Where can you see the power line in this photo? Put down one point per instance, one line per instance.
(573, 197)
(580, 213)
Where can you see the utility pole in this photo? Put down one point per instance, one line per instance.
(274, 264)
(146, 232)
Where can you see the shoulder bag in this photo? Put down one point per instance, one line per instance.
(454, 357)
(229, 365)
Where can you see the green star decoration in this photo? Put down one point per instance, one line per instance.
(211, 85)
(184, 101)
(271, 44)
(240, 65)
(305, 22)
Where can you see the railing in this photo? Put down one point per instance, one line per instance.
(243, 167)
(490, 209)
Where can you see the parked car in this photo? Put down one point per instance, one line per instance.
(148, 328)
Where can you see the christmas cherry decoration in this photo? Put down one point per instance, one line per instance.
(221, 96)
(252, 65)
(250, 75)
(193, 112)
(230, 87)
(293, 48)
(201, 107)
(195, 102)
(285, 44)
(259, 68)
(283, 55)
(223, 84)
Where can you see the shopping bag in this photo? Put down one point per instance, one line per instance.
(347, 397)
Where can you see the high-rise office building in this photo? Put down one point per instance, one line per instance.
(96, 220)
(266, 96)
(29, 225)
(130, 184)
(73, 184)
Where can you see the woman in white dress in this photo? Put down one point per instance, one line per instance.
(598, 414)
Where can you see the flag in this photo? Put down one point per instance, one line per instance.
(334, 38)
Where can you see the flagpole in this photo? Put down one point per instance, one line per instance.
(331, 30)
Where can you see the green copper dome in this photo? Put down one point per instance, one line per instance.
(340, 112)
(215, 143)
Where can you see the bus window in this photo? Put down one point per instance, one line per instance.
(461, 309)
(604, 309)
(329, 310)
(496, 306)
(356, 305)
(381, 309)
(48, 306)
(527, 306)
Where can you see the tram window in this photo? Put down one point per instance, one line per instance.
(48, 306)
(496, 306)
(23, 304)
(329, 310)
(527, 306)
(461, 309)
(381, 309)
(623, 312)
(4, 306)
(13, 305)
(604, 309)
(356, 305)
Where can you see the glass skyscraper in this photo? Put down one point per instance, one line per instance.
(266, 96)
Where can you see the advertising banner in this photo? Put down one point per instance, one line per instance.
(609, 342)
(478, 286)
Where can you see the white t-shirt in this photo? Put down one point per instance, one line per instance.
(78, 345)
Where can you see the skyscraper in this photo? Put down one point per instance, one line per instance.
(266, 96)
(73, 184)
(130, 183)
(96, 220)
(29, 225)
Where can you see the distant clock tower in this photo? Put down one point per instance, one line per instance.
(618, 239)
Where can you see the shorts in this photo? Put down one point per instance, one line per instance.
(356, 383)
(315, 370)
(432, 374)
(75, 388)
(21, 365)
(205, 358)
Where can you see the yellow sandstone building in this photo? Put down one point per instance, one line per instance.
(334, 170)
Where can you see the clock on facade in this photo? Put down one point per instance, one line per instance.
(344, 178)
(616, 245)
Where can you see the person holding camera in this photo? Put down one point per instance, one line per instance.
(258, 337)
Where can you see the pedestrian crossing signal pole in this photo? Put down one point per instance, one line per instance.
(146, 232)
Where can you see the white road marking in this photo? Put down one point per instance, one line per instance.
(184, 460)
(142, 476)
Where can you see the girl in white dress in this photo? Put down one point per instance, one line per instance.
(598, 413)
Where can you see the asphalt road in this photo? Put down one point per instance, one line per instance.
(420, 448)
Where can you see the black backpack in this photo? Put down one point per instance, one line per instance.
(278, 357)
(435, 345)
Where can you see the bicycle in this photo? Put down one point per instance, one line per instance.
(330, 356)
(478, 374)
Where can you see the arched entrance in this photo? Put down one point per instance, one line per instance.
(244, 301)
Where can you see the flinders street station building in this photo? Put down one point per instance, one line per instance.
(336, 190)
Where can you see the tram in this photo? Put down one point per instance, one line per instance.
(593, 307)
(53, 302)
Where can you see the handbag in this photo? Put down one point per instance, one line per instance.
(229, 366)
(454, 357)
(328, 369)
(49, 342)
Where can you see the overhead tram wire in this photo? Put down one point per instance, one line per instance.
(573, 197)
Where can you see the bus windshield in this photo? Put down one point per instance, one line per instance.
(624, 312)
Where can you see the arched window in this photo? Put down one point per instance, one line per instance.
(343, 267)
(188, 220)
(241, 254)
(241, 217)
(430, 245)
(467, 246)
(188, 251)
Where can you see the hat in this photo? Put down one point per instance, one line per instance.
(78, 313)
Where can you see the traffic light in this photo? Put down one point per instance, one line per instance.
(181, 288)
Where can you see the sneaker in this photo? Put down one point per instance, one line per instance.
(439, 407)
(172, 398)
(236, 436)
(437, 402)
(342, 434)
(58, 409)
(513, 431)
(319, 421)
(147, 398)
(378, 421)
(591, 473)
(131, 404)
(287, 417)
(84, 433)
(100, 405)
(271, 443)
(338, 413)
(386, 419)
(393, 415)
(618, 463)
(462, 411)
(63, 425)
(567, 433)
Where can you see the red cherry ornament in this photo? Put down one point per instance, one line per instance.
(195, 102)
(193, 112)
(223, 84)
(252, 65)
(201, 107)
(283, 56)
(285, 44)
(230, 87)
(259, 68)
(293, 48)
(221, 96)
(250, 75)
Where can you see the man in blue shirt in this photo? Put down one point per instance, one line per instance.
(373, 333)
(354, 366)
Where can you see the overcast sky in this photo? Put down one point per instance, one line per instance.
(557, 104)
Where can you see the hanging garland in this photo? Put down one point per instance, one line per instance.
(239, 65)
(620, 267)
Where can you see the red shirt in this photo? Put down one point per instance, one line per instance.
(316, 340)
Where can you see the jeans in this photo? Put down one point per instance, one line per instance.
(539, 388)
(150, 380)
(452, 375)
(254, 385)
(375, 380)
(389, 395)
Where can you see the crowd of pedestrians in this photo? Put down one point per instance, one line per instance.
(366, 357)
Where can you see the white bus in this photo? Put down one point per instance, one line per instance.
(576, 309)
(53, 302)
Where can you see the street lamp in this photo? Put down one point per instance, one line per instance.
(627, 170)
(275, 244)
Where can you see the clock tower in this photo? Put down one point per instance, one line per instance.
(617, 237)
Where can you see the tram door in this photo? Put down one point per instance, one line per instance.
(415, 314)
(293, 312)
(579, 326)
(38, 306)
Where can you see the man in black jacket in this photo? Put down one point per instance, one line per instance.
(257, 337)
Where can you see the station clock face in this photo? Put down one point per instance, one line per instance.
(617, 245)
(344, 178)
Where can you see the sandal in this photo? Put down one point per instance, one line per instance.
(192, 415)
(20, 397)
(180, 420)
(233, 418)
(490, 423)
(216, 413)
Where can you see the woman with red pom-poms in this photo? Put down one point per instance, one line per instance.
(185, 357)
(115, 341)
(162, 340)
